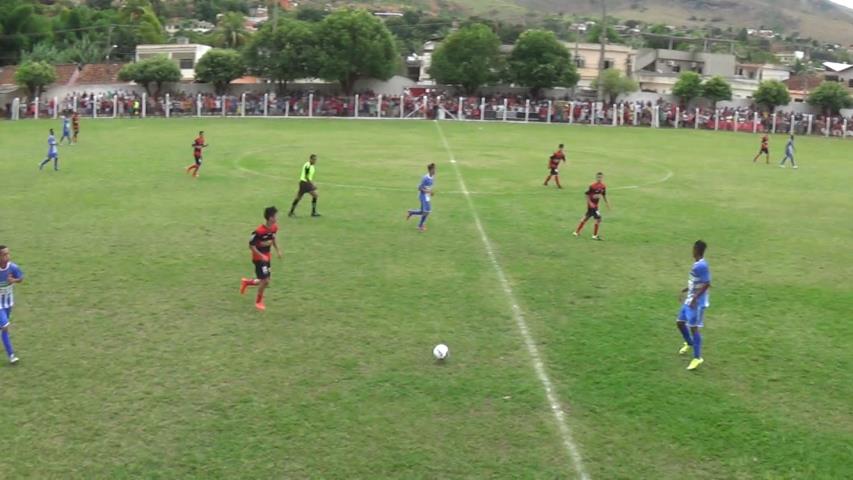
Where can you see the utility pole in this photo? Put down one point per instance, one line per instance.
(274, 4)
(602, 39)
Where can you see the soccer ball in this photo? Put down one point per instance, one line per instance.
(440, 351)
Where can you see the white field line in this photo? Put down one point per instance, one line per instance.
(518, 314)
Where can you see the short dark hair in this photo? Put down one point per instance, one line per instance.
(700, 247)
(201, 132)
(313, 155)
(430, 166)
(599, 173)
(561, 145)
(2, 247)
(270, 212)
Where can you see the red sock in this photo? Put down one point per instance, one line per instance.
(259, 298)
(595, 231)
(557, 179)
(580, 226)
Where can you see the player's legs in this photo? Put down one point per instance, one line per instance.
(314, 197)
(259, 299)
(547, 179)
(74, 139)
(681, 323)
(4, 334)
(793, 163)
(583, 221)
(426, 208)
(295, 202)
(596, 228)
(44, 162)
(695, 322)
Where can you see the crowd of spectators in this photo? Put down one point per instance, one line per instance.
(436, 104)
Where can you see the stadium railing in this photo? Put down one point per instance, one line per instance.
(432, 107)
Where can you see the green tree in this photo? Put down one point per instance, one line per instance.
(220, 67)
(154, 70)
(688, 87)
(284, 54)
(614, 83)
(354, 44)
(22, 26)
(34, 76)
(771, 94)
(470, 58)
(231, 30)
(799, 67)
(593, 35)
(830, 97)
(540, 61)
(717, 89)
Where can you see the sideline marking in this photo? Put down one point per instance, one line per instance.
(518, 314)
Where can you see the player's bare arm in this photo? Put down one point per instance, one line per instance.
(277, 251)
(702, 289)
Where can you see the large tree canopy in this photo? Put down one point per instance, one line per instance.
(470, 58)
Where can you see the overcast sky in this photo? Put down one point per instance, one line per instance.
(846, 3)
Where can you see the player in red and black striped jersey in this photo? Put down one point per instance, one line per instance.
(198, 145)
(554, 165)
(764, 149)
(594, 194)
(262, 239)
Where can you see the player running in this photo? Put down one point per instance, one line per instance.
(198, 144)
(554, 165)
(789, 153)
(10, 274)
(66, 129)
(306, 185)
(765, 149)
(693, 308)
(425, 194)
(75, 126)
(262, 238)
(52, 152)
(594, 194)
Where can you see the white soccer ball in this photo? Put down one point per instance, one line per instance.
(440, 351)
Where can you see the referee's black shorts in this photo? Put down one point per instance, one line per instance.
(306, 187)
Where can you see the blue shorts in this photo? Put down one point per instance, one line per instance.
(694, 317)
(51, 154)
(426, 204)
(5, 314)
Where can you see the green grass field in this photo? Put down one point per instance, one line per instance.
(139, 359)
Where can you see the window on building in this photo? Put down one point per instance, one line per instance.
(580, 62)
(832, 78)
(608, 63)
(850, 83)
(676, 68)
(186, 63)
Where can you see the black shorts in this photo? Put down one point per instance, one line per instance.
(306, 187)
(555, 171)
(262, 269)
(592, 212)
(197, 160)
(764, 150)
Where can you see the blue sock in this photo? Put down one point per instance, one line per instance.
(56, 164)
(684, 333)
(697, 344)
(7, 343)
(44, 162)
(415, 212)
(423, 219)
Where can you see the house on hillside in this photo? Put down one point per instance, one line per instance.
(839, 72)
(800, 86)
(186, 55)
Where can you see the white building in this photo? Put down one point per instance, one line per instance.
(185, 55)
(839, 72)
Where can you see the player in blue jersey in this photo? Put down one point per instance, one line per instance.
(52, 152)
(66, 129)
(690, 318)
(425, 194)
(10, 274)
(789, 153)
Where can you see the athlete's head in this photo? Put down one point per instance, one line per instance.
(4, 255)
(431, 168)
(312, 159)
(201, 133)
(699, 249)
(792, 138)
(599, 177)
(269, 215)
(561, 147)
(51, 131)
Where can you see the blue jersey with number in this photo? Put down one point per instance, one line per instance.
(66, 126)
(700, 275)
(7, 298)
(426, 184)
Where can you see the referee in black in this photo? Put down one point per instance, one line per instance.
(306, 185)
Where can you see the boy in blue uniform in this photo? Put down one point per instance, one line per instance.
(696, 300)
(66, 129)
(425, 195)
(10, 274)
(52, 152)
(789, 153)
